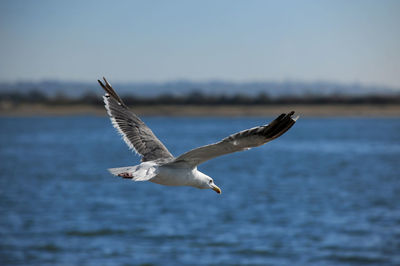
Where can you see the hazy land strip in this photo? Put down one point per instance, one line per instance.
(309, 110)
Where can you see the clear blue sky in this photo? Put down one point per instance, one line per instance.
(344, 41)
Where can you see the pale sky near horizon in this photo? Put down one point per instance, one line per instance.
(342, 41)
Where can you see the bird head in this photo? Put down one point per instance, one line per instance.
(214, 186)
(208, 182)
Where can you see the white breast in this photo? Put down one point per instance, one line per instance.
(171, 176)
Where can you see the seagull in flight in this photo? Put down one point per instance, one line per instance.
(159, 166)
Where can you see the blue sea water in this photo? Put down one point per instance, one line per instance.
(325, 193)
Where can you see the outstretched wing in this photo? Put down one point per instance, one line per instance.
(240, 141)
(134, 131)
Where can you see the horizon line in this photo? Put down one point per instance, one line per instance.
(208, 80)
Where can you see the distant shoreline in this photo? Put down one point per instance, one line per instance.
(315, 110)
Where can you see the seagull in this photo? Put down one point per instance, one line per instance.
(159, 166)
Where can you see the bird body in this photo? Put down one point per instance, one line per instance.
(172, 176)
(167, 175)
(160, 166)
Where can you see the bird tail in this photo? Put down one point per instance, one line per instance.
(141, 172)
(121, 170)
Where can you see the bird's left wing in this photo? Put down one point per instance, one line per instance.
(240, 141)
(134, 131)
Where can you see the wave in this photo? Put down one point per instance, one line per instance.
(93, 233)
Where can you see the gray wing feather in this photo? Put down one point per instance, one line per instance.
(240, 141)
(134, 131)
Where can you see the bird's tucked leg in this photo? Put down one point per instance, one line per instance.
(125, 175)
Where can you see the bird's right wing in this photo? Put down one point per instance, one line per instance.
(240, 141)
(134, 131)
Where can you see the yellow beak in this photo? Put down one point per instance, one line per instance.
(215, 188)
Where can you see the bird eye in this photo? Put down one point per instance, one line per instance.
(209, 182)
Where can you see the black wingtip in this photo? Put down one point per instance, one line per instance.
(110, 91)
(107, 83)
(293, 118)
(101, 84)
(280, 125)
